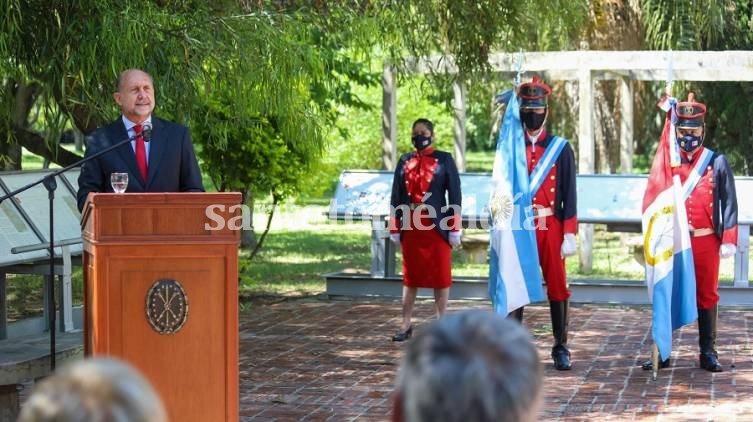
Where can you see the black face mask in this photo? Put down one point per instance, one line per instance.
(420, 141)
(690, 142)
(531, 120)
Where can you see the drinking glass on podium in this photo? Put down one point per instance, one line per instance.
(119, 182)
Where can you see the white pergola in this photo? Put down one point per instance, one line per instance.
(583, 66)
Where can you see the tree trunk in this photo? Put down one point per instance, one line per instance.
(606, 134)
(10, 155)
(23, 100)
(248, 237)
(257, 248)
(82, 118)
(36, 144)
(612, 25)
(78, 140)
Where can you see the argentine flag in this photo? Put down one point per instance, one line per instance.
(514, 276)
(670, 275)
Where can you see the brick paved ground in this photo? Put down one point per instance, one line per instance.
(332, 360)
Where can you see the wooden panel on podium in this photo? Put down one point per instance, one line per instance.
(161, 292)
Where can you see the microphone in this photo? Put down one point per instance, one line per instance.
(146, 132)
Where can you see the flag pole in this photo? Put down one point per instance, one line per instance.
(654, 361)
(518, 68)
(670, 77)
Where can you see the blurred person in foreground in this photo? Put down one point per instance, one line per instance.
(470, 366)
(94, 390)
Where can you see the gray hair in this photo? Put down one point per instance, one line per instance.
(94, 390)
(471, 366)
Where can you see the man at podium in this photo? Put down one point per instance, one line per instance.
(159, 157)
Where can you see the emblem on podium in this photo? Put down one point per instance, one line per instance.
(166, 306)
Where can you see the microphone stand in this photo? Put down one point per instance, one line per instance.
(50, 184)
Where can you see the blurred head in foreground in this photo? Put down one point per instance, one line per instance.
(470, 366)
(94, 390)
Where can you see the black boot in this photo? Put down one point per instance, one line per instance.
(708, 358)
(517, 314)
(560, 354)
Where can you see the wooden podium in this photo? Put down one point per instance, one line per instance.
(161, 292)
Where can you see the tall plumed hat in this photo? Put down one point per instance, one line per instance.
(533, 94)
(690, 114)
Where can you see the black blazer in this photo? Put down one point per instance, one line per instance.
(445, 180)
(172, 162)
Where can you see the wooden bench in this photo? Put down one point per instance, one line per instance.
(25, 359)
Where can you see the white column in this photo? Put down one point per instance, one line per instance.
(626, 126)
(586, 153)
(458, 106)
(65, 312)
(741, 257)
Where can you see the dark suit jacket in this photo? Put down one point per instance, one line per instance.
(172, 162)
(725, 198)
(444, 180)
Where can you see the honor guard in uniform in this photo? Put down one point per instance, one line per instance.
(425, 221)
(554, 208)
(712, 218)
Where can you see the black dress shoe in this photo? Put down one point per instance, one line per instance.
(405, 335)
(710, 362)
(649, 365)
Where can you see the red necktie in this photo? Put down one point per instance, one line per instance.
(140, 151)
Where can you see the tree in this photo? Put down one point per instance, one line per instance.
(242, 74)
(258, 65)
(711, 25)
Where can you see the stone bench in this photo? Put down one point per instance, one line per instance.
(635, 246)
(475, 248)
(25, 359)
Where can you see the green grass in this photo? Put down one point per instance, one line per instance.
(479, 162)
(31, 161)
(612, 257)
(25, 294)
(293, 262)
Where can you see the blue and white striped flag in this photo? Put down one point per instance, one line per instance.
(670, 274)
(514, 275)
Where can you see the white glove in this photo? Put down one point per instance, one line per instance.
(727, 250)
(454, 239)
(569, 246)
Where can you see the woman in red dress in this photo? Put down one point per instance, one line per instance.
(425, 221)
